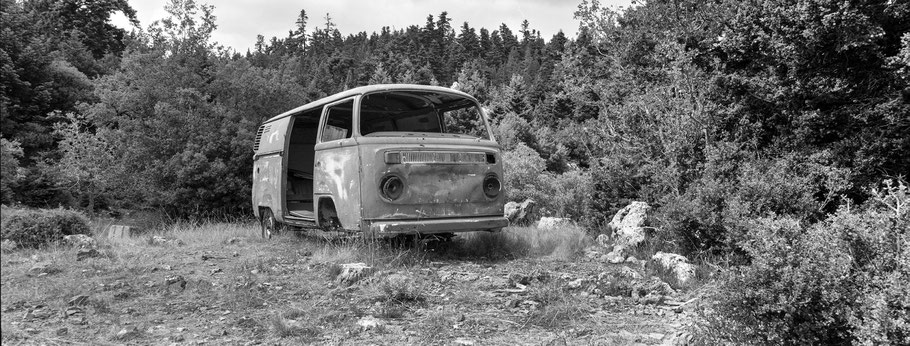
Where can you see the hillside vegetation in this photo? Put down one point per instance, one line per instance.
(770, 137)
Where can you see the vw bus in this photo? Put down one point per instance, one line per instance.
(381, 160)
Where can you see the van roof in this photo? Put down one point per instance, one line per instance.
(364, 90)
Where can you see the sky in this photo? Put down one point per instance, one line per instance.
(239, 21)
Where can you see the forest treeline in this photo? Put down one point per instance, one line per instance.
(750, 126)
(704, 108)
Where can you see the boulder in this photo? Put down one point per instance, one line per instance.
(119, 232)
(162, 241)
(520, 214)
(353, 272)
(677, 264)
(80, 241)
(87, 253)
(629, 224)
(553, 222)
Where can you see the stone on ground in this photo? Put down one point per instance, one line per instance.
(119, 232)
(353, 272)
(629, 224)
(80, 241)
(520, 214)
(553, 222)
(677, 264)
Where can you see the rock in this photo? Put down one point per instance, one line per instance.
(41, 269)
(679, 265)
(651, 286)
(162, 241)
(119, 232)
(62, 331)
(353, 272)
(520, 214)
(175, 280)
(651, 299)
(618, 255)
(7, 245)
(79, 300)
(80, 240)
(553, 223)
(576, 284)
(87, 253)
(463, 341)
(680, 338)
(629, 224)
(632, 260)
(127, 333)
(369, 322)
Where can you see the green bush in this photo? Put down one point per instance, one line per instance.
(714, 212)
(38, 227)
(563, 195)
(843, 280)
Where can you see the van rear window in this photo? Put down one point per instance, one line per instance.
(389, 113)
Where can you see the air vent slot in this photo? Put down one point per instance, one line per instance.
(442, 157)
(262, 129)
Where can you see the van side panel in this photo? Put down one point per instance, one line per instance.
(268, 177)
(337, 175)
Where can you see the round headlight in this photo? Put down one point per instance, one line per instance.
(391, 187)
(491, 186)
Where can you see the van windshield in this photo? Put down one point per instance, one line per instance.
(394, 112)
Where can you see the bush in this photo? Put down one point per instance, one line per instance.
(714, 212)
(35, 228)
(563, 195)
(843, 280)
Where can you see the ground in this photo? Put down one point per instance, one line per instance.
(220, 284)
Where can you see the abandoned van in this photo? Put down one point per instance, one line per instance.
(383, 160)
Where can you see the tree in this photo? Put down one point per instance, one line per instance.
(87, 164)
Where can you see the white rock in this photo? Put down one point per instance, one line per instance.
(520, 213)
(629, 224)
(80, 241)
(352, 272)
(369, 322)
(678, 264)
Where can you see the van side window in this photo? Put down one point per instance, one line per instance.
(338, 121)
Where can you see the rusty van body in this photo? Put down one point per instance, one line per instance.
(383, 160)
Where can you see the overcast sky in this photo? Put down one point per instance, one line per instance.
(239, 21)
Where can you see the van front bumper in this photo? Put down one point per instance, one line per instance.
(386, 227)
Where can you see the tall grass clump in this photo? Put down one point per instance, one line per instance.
(34, 228)
(843, 280)
(513, 242)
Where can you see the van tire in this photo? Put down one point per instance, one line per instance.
(268, 226)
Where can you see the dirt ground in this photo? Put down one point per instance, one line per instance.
(221, 284)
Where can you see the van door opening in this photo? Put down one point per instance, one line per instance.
(299, 192)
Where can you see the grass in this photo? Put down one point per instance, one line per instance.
(283, 290)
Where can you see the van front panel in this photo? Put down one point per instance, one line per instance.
(442, 178)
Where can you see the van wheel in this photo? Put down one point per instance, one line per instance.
(268, 225)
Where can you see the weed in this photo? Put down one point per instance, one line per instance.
(290, 328)
(402, 289)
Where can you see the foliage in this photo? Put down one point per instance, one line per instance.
(10, 152)
(87, 162)
(40, 227)
(841, 280)
(562, 195)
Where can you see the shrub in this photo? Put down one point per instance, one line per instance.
(714, 212)
(842, 280)
(35, 228)
(563, 195)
